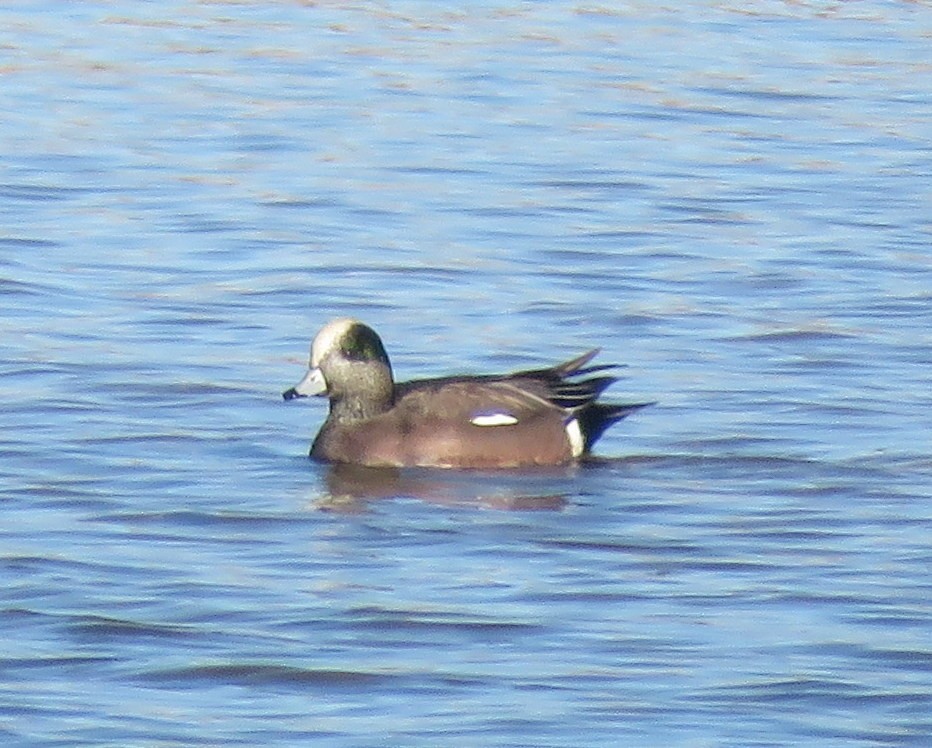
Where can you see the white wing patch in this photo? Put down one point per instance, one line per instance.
(493, 419)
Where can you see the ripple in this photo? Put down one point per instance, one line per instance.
(267, 675)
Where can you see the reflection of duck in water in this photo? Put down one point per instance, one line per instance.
(351, 488)
(533, 417)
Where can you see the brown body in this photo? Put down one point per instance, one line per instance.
(432, 427)
(534, 417)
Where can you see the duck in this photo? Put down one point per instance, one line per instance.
(535, 417)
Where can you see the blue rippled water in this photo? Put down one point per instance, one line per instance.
(731, 199)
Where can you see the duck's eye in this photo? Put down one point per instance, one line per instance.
(362, 344)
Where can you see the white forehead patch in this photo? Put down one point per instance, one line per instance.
(329, 337)
(493, 419)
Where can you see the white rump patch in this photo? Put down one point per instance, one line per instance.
(575, 436)
(493, 419)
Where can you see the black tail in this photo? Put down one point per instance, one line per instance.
(596, 418)
(572, 368)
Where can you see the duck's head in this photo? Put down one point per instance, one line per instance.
(349, 365)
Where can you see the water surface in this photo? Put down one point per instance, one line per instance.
(731, 199)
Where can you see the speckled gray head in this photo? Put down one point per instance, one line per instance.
(347, 359)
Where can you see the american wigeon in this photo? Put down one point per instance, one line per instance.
(533, 417)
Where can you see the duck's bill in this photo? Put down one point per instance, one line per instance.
(312, 384)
